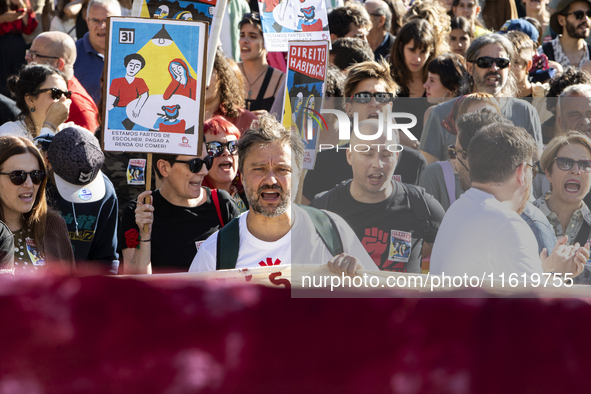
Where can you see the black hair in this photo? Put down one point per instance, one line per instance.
(134, 56)
(29, 79)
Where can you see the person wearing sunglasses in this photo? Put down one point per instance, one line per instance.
(181, 214)
(488, 60)
(369, 89)
(40, 235)
(42, 96)
(566, 162)
(571, 22)
(222, 141)
(483, 232)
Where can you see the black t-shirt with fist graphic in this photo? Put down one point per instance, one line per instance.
(389, 230)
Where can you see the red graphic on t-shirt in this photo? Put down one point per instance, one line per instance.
(375, 243)
(269, 262)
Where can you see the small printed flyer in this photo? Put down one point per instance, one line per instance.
(400, 245)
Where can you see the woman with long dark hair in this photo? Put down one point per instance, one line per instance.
(40, 236)
(260, 79)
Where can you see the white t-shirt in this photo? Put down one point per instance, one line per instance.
(301, 245)
(480, 235)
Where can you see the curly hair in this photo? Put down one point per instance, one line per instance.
(434, 13)
(570, 76)
(230, 88)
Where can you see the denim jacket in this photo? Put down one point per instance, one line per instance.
(541, 227)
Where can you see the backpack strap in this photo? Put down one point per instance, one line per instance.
(450, 181)
(583, 234)
(228, 242)
(548, 50)
(419, 207)
(326, 229)
(228, 245)
(216, 202)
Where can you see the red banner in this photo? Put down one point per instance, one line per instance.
(309, 60)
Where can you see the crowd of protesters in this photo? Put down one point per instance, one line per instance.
(493, 177)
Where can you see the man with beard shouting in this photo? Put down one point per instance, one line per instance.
(482, 233)
(488, 60)
(572, 20)
(274, 231)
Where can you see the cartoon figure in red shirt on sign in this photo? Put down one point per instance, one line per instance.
(124, 91)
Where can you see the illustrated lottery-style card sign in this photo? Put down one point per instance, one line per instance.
(304, 92)
(154, 88)
(291, 20)
(210, 11)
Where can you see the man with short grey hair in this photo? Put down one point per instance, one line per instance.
(89, 64)
(379, 36)
(574, 109)
(271, 158)
(488, 60)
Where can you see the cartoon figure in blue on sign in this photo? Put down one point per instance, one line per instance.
(125, 91)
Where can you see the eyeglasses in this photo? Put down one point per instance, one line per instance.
(195, 165)
(365, 97)
(98, 21)
(34, 55)
(580, 14)
(56, 94)
(565, 164)
(19, 177)
(452, 152)
(216, 148)
(534, 169)
(487, 62)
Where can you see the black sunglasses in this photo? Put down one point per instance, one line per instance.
(487, 62)
(580, 14)
(565, 164)
(365, 97)
(216, 148)
(56, 94)
(19, 177)
(195, 165)
(452, 152)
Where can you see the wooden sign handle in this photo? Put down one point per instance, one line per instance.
(148, 174)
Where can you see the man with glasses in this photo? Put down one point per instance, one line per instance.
(88, 67)
(379, 37)
(482, 233)
(487, 60)
(59, 50)
(181, 215)
(571, 21)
